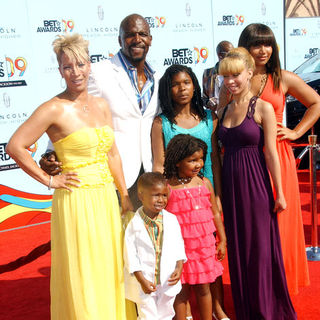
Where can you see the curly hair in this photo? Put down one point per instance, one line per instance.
(165, 85)
(256, 34)
(180, 147)
(72, 45)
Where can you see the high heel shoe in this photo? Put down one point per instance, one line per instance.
(220, 319)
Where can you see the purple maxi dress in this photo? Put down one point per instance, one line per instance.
(258, 282)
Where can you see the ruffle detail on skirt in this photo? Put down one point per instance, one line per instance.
(201, 253)
(200, 215)
(197, 230)
(203, 271)
(198, 243)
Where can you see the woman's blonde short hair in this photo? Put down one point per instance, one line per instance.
(72, 45)
(236, 61)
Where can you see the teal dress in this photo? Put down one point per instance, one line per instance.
(201, 131)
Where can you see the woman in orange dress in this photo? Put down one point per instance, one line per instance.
(272, 84)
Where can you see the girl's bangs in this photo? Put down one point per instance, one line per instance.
(231, 66)
(261, 39)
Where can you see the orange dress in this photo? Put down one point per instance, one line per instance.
(290, 220)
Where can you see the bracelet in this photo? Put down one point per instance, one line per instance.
(50, 182)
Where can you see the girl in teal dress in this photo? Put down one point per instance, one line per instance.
(183, 112)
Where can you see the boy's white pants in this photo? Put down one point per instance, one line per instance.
(156, 306)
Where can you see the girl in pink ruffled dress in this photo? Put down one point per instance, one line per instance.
(192, 200)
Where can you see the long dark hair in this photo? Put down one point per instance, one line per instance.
(165, 97)
(180, 147)
(257, 34)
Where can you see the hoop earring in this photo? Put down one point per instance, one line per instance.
(63, 83)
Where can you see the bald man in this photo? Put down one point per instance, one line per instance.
(211, 81)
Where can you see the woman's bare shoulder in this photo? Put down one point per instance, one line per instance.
(55, 105)
(263, 107)
(291, 81)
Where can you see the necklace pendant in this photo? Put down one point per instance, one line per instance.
(85, 108)
(197, 207)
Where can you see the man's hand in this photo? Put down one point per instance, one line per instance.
(49, 163)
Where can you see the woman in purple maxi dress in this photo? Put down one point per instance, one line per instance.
(257, 274)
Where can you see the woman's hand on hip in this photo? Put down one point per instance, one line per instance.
(285, 133)
(65, 181)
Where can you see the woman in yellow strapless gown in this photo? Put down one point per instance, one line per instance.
(86, 233)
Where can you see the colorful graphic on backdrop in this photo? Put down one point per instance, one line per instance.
(231, 20)
(6, 162)
(12, 68)
(56, 26)
(156, 22)
(19, 208)
(187, 56)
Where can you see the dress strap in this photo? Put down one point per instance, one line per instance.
(252, 106)
(224, 113)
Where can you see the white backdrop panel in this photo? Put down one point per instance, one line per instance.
(229, 20)
(302, 40)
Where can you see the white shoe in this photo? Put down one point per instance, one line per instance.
(221, 319)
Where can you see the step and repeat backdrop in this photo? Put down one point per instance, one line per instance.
(184, 32)
(302, 30)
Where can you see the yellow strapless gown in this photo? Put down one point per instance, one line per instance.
(86, 234)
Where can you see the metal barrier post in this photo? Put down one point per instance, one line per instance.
(313, 252)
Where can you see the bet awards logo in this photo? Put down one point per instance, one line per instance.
(230, 20)
(187, 56)
(56, 26)
(298, 32)
(312, 52)
(11, 69)
(99, 57)
(156, 22)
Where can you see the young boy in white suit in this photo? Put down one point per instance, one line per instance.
(153, 252)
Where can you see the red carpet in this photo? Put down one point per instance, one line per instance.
(24, 292)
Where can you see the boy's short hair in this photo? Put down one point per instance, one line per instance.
(149, 179)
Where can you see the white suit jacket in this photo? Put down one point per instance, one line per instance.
(139, 255)
(109, 80)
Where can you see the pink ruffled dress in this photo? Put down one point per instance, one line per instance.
(192, 208)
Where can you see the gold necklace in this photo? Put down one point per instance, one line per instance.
(264, 78)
